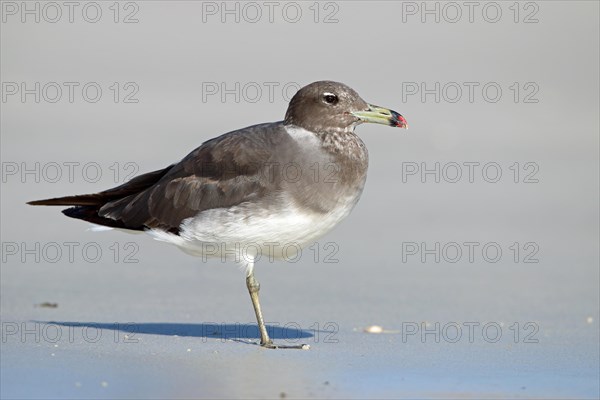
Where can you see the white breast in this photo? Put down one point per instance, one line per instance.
(245, 229)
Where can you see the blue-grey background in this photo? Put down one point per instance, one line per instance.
(171, 60)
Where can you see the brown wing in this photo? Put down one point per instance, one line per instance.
(223, 172)
(133, 186)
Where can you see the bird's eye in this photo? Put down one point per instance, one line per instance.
(330, 98)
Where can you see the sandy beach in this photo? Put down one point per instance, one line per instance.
(469, 268)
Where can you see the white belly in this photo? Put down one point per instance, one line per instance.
(241, 232)
(276, 226)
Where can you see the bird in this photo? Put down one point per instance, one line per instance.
(253, 191)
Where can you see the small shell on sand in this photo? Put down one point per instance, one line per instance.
(374, 329)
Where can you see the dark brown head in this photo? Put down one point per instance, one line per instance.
(327, 106)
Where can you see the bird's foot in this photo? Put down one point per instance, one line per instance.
(271, 345)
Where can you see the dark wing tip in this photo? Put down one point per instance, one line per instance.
(82, 200)
(45, 202)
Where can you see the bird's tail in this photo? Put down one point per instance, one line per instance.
(79, 200)
(86, 206)
(134, 186)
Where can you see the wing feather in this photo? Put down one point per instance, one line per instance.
(223, 172)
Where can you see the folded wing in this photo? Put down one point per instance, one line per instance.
(222, 172)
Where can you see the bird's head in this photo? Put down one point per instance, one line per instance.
(326, 105)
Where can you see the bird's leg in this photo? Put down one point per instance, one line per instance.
(253, 289)
(265, 341)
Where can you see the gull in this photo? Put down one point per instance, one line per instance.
(253, 191)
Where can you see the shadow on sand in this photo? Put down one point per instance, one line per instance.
(235, 332)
